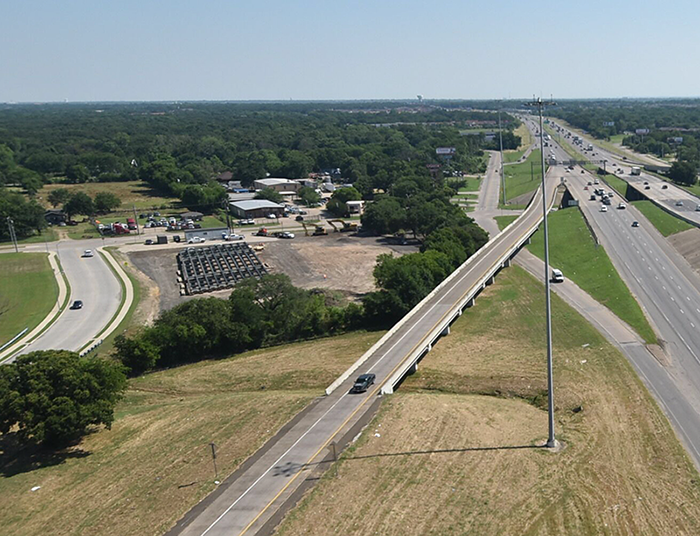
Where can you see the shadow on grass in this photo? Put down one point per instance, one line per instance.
(17, 458)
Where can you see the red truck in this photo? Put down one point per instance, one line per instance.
(131, 224)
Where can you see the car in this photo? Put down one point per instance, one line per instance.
(622, 206)
(635, 224)
(679, 203)
(557, 276)
(583, 171)
(647, 187)
(272, 216)
(604, 208)
(303, 212)
(589, 183)
(286, 234)
(585, 187)
(148, 242)
(77, 304)
(196, 240)
(664, 187)
(362, 383)
(299, 218)
(614, 164)
(624, 158)
(596, 181)
(593, 198)
(88, 253)
(233, 236)
(646, 183)
(697, 208)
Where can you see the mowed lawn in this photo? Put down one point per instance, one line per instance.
(457, 450)
(524, 177)
(28, 291)
(573, 251)
(664, 222)
(155, 463)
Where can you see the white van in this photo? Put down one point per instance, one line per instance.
(557, 276)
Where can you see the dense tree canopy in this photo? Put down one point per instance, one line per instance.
(27, 215)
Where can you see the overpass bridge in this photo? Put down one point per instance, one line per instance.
(254, 498)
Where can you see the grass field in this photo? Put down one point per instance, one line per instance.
(47, 235)
(573, 251)
(455, 450)
(526, 141)
(155, 463)
(616, 183)
(471, 185)
(131, 193)
(524, 177)
(28, 292)
(694, 189)
(664, 222)
(504, 221)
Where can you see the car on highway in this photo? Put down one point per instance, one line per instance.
(635, 223)
(603, 208)
(647, 187)
(362, 383)
(589, 183)
(697, 208)
(679, 203)
(664, 187)
(88, 253)
(646, 182)
(593, 198)
(621, 206)
(596, 181)
(583, 171)
(77, 304)
(196, 240)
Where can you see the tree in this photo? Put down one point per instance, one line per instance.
(270, 194)
(79, 203)
(77, 173)
(309, 196)
(384, 216)
(58, 196)
(106, 202)
(338, 202)
(53, 396)
(137, 354)
(27, 215)
(684, 172)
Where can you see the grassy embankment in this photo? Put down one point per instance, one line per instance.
(28, 292)
(155, 463)
(456, 449)
(467, 195)
(522, 178)
(664, 222)
(525, 142)
(572, 250)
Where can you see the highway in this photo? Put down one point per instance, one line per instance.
(92, 281)
(667, 289)
(667, 197)
(250, 500)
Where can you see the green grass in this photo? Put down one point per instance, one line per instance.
(471, 185)
(572, 250)
(505, 221)
(523, 178)
(694, 189)
(664, 222)
(513, 156)
(212, 221)
(616, 183)
(47, 235)
(28, 292)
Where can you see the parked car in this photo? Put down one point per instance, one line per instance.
(233, 236)
(88, 253)
(362, 383)
(286, 234)
(77, 304)
(272, 216)
(196, 240)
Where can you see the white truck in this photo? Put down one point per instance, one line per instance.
(636, 170)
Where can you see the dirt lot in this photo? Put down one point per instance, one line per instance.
(457, 450)
(338, 261)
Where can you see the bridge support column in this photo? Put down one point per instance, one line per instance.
(445, 331)
(413, 369)
(506, 264)
(470, 303)
(528, 241)
(490, 281)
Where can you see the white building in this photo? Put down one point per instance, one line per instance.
(279, 185)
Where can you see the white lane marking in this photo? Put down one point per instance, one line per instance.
(673, 299)
(663, 287)
(681, 311)
(663, 267)
(656, 277)
(679, 288)
(692, 325)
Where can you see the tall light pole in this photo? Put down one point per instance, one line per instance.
(551, 440)
(13, 236)
(500, 140)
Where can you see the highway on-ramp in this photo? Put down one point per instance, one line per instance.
(247, 503)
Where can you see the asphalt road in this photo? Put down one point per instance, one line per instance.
(669, 292)
(91, 281)
(668, 197)
(245, 505)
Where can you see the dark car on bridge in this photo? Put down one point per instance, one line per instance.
(362, 383)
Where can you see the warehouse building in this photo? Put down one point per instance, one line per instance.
(279, 185)
(256, 208)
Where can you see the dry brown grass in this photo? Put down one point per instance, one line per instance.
(155, 463)
(131, 193)
(622, 470)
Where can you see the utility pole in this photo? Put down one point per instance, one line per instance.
(213, 459)
(138, 230)
(551, 440)
(13, 236)
(500, 140)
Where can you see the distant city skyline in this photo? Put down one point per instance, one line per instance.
(216, 50)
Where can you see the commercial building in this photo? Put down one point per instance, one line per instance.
(279, 185)
(213, 233)
(355, 207)
(256, 208)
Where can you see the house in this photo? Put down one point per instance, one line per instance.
(279, 185)
(55, 216)
(256, 208)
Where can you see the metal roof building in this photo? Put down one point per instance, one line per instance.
(256, 208)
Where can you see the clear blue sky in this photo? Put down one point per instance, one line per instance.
(91, 50)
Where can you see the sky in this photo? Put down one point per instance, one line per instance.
(147, 50)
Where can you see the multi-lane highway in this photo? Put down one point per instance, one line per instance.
(658, 190)
(254, 496)
(668, 291)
